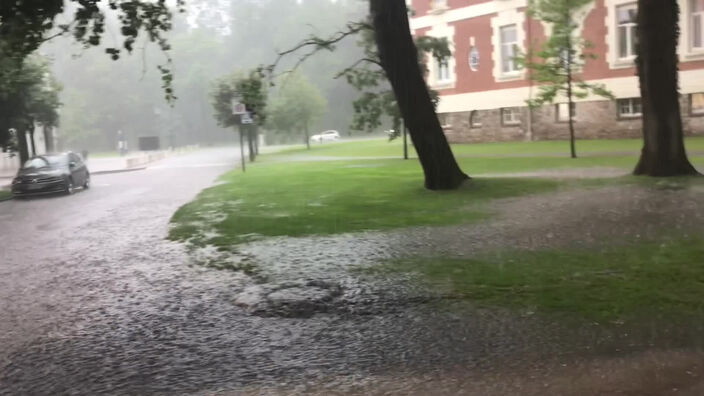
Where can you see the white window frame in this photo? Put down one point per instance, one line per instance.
(509, 47)
(475, 119)
(438, 6)
(514, 116)
(442, 70)
(443, 118)
(507, 17)
(630, 29)
(447, 31)
(560, 112)
(692, 110)
(612, 36)
(690, 15)
(630, 104)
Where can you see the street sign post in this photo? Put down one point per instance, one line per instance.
(239, 108)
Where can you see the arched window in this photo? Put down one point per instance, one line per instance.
(475, 120)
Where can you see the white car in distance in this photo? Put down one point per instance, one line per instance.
(327, 136)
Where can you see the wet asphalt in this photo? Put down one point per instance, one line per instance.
(95, 300)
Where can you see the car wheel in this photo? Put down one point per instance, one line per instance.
(86, 184)
(69, 186)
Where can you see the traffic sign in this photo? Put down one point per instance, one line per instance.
(239, 108)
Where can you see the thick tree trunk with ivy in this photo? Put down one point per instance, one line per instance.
(663, 150)
(399, 59)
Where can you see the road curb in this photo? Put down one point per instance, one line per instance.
(107, 172)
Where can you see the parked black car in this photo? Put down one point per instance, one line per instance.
(51, 173)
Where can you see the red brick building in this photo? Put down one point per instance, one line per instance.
(483, 91)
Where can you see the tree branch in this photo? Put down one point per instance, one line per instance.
(318, 44)
(354, 65)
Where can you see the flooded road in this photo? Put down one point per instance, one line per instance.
(94, 300)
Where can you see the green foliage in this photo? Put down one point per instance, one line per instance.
(26, 24)
(31, 95)
(562, 56)
(78, 122)
(640, 281)
(247, 88)
(297, 105)
(318, 198)
(541, 152)
(377, 100)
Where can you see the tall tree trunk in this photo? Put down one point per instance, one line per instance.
(48, 139)
(250, 143)
(573, 150)
(31, 140)
(405, 141)
(256, 140)
(663, 150)
(399, 59)
(307, 137)
(22, 145)
(242, 160)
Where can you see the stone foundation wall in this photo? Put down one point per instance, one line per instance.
(593, 120)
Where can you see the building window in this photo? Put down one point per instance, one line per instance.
(629, 108)
(509, 48)
(626, 27)
(561, 112)
(473, 58)
(696, 103)
(696, 9)
(511, 115)
(444, 120)
(442, 70)
(475, 120)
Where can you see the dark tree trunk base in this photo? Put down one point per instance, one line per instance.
(664, 168)
(663, 152)
(399, 59)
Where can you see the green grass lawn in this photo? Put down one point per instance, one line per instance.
(4, 194)
(384, 148)
(640, 281)
(317, 198)
(278, 197)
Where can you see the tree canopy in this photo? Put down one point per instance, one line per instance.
(30, 96)
(25, 25)
(297, 106)
(561, 58)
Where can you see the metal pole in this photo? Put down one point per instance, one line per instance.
(239, 128)
(405, 140)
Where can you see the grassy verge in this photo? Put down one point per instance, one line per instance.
(643, 280)
(4, 194)
(103, 154)
(384, 148)
(318, 198)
